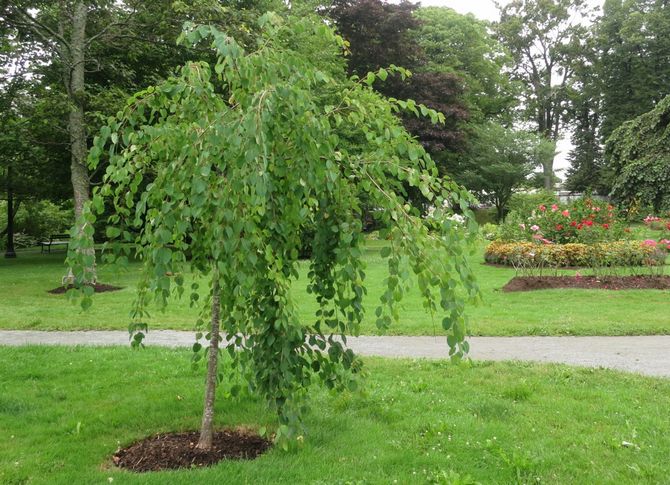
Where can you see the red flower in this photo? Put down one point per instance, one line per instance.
(543, 207)
(588, 223)
(579, 227)
(606, 226)
(559, 227)
(573, 223)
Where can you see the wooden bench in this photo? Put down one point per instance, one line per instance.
(55, 240)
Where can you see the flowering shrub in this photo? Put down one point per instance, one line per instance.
(657, 223)
(618, 253)
(585, 221)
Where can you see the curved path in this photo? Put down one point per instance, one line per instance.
(649, 355)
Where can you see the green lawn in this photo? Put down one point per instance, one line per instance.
(64, 412)
(26, 305)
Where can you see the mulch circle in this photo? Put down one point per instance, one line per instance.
(530, 283)
(98, 287)
(177, 450)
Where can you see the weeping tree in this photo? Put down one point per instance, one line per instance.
(218, 171)
(638, 154)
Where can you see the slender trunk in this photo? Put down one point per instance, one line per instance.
(207, 427)
(76, 89)
(12, 215)
(10, 253)
(548, 172)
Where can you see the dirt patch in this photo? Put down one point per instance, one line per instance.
(177, 450)
(98, 287)
(529, 283)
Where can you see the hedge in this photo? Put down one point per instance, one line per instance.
(617, 253)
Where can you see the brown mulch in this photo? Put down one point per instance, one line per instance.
(98, 287)
(529, 283)
(177, 450)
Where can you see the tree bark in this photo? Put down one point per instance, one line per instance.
(73, 77)
(207, 427)
(548, 169)
(10, 253)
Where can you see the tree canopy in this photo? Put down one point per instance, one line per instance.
(217, 172)
(638, 153)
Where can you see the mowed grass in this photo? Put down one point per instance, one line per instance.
(25, 303)
(65, 411)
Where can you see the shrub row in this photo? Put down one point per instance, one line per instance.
(617, 253)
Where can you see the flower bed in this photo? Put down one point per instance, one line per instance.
(585, 221)
(618, 253)
(656, 223)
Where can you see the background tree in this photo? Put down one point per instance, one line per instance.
(92, 55)
(243, 155)
(638, 153)
(462, 45)
(634, 59)
(546, 38)
(501, 160)
(381, 34)
(584, 112)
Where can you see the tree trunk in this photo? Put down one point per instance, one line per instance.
(548, 172)
(10, 253)
(207, 427)
(76, 90)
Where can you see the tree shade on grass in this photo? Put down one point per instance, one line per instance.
(65, 411)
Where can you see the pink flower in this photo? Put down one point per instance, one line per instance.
(554, 208)
(535, 227)
(649, 242)
(566, 213)
(543, 207)
(546, 241)
(664, 241)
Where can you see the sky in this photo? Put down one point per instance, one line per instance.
(486, 9)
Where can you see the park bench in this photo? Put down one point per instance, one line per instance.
(55, 240)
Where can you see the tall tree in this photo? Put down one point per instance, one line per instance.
(380, 34)
(634, 59)
(96, 53)
(584, 115)
(638, 153)
(463, 45)
(546, 39)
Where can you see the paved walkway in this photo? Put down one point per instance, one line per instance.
(645, 355)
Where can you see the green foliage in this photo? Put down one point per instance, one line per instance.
(40, 219)
(498, 163)
(638, 153)
(219, 171)
(490, 231)
(461, 44)
(633, 40)
(526, 202)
